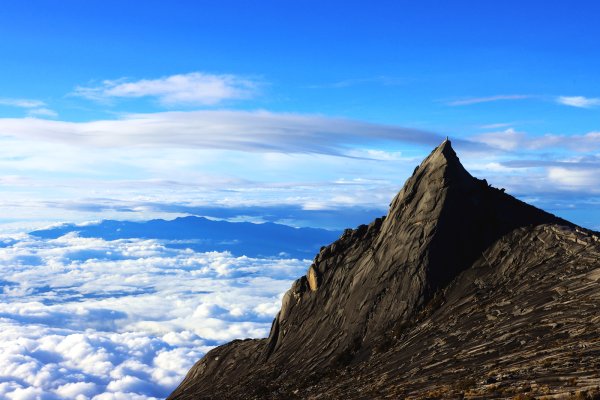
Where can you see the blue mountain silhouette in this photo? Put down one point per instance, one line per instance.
(201, 234)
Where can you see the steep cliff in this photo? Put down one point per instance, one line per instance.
(385, 299)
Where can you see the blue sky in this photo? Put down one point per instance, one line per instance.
(300, 112)
(298, 109)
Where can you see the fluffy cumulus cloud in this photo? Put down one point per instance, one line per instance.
(194, 88)
(84, 318)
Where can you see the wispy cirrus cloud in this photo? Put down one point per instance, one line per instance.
(507, 139)
(42, 112)
(575, 178)
(195, 88)
(559, 174)
(249, 131)
(489, 99)
(234, 159)
(376, 80)
(511, 139)
(496, 125)
(572, 101)
(22, 103)
(224, 158)
(579, 101)
(36, 108)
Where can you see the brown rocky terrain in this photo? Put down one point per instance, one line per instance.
(461, 291)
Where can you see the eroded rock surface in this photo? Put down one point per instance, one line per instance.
(460, 290)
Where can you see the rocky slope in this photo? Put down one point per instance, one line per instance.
(461, 290)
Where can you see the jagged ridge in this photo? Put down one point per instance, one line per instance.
(373, 280)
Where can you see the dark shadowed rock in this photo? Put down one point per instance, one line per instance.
(457, 286)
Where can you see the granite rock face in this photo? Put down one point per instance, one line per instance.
(460, 289)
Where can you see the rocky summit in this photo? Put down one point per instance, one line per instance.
(461, 291)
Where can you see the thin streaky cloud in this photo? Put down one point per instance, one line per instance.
(34, 108)
(511, 140)
(496, 126)
(195, 88)
(477, 100)
(579, 101)
(574, 179)
(247, 131)
(42, 112)
(21, 103)
(345, 83)
(589, 162)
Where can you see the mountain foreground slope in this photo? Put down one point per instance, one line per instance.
(460, 291)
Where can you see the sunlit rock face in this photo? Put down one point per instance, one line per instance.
(459, 287)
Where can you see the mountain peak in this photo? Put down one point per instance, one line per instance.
(444, 151)
(430, 182)
(455, 216)
(444, 154)
(381, 276)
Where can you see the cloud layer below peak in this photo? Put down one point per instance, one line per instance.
(89, 318)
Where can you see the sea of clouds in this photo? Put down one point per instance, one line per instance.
(86, 318)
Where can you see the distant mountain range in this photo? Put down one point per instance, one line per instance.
(202, 234)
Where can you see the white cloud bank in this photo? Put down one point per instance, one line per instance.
(196, 88)
(94, 319)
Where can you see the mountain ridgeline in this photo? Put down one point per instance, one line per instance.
(461, 289)
(202, 234)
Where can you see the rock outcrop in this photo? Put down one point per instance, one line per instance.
(458, 287)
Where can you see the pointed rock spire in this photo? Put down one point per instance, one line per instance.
(379, 276)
